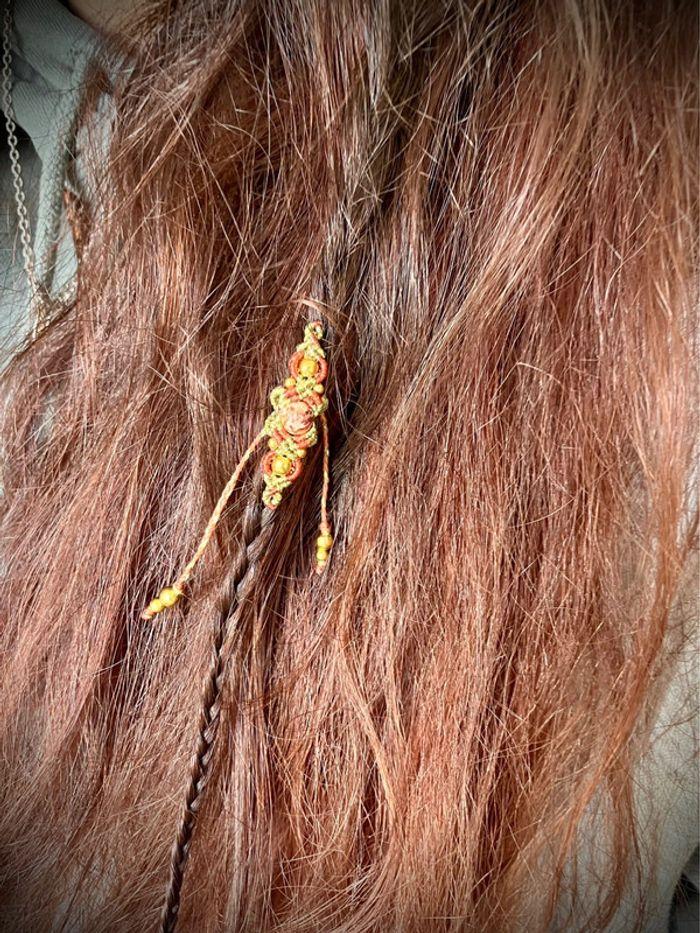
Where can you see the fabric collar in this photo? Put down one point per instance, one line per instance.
(51, 51)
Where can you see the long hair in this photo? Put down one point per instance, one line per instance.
(494, 204)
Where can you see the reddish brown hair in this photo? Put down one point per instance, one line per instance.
(495, 204)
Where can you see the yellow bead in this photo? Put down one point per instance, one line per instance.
(321, 555)
(273, 444)
(301, 452)
(290, 382)
(325, 542)
(318, 388)
(155, 606)
(308, 367)
(281, 465)
(169, 596)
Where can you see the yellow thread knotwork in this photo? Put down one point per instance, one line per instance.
(296, 404)
(291, 429)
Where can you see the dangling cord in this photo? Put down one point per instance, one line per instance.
(324, 542)
(171, 594)
(209, 717)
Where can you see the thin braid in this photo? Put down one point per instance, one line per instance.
(210, 709)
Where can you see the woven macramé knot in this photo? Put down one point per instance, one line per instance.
(296, 405)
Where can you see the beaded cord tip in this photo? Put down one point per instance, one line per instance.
(164, 600)
(324, 542)
(291, 429)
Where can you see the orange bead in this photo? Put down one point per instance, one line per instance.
(281, 465)
(308, 367)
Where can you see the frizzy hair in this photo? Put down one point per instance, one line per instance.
(495, 205)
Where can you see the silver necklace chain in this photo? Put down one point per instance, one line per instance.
(40, 301)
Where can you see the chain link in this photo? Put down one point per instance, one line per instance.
(15, 168)
(40, 302)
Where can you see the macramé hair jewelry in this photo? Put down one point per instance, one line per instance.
(292, 430)
(298, 408)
